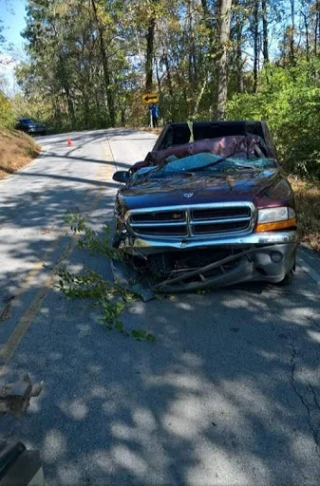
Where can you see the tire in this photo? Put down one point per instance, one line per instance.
(288, 279)
(116, 240)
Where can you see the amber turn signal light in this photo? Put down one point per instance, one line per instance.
(288, 223)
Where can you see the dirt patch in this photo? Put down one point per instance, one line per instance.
(308, 207)
(156, 131)
(16, 150)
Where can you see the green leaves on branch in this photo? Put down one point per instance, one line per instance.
(76, 221)
(90, 239)
(88, 285)
(110, 297)
(111, 312)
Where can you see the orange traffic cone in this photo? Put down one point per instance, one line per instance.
(69, 142)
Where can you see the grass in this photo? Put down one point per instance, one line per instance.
(16, 150)
(308, 207)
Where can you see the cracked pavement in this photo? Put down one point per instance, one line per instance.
(308, 398)
(228, 394)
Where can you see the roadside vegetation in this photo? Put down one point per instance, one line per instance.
(16, 148)
(308, 207)
(288, 98)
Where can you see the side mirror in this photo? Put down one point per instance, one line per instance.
(121, 176)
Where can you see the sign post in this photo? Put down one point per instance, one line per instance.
(151, 117)
(150, 99)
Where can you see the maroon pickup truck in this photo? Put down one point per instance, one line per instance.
(209, 207)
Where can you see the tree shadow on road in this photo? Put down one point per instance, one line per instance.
(229, 393)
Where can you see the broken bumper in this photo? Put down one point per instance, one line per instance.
(256, 257)
(255, 264)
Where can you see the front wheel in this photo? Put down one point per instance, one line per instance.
(288, 279)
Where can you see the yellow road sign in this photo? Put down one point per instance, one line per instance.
(150, 98)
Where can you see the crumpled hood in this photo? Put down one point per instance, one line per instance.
(242, 185)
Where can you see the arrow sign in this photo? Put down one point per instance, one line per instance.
(150, 98)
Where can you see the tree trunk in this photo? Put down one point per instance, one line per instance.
(169, 78)
(105, 66)
(306, 27)
(199, 98)
(123, 117)
(284, 48)
(238, 41)
(191, 46)
(56, 108)
(316, 28)
(194, 59)
(188, 42)
(265, 31)
(292, 56)
(222, 65)
(158, 76)
(240, 86)
(255, 46)
(149, 54)
(208, 22)
(86, 110)
(107, 79)
(65, 85)
(70, 106)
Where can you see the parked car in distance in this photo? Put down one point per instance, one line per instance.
(28, 125)
(209, 207)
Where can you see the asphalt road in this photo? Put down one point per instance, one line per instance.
(229, 394)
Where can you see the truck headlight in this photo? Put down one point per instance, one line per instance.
(270, 219)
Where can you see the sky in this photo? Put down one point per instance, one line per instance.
(12, 14)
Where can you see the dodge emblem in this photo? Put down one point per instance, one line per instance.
(188, 195)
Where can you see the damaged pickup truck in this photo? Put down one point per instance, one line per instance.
(208, 207)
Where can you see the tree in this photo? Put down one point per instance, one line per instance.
(150, 52)
(264, 11)
(89, 61)
(292, 30)
(224, 15)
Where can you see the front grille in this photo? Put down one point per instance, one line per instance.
(192, 221)
(161, 231)
(156, 216)
(220, 213)
(219, 228)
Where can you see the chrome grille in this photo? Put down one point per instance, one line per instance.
(220, 213)
(157, 216)
(192, 221)
(219, 228)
